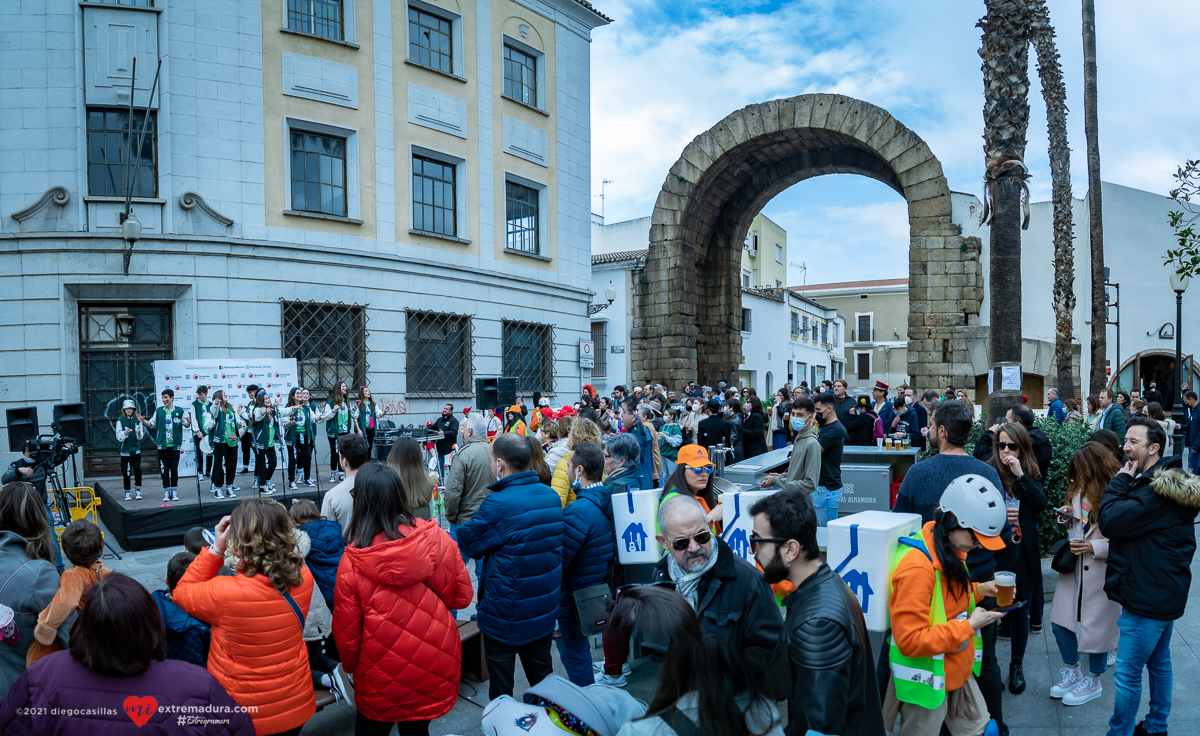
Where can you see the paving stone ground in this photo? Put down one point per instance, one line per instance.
(1033, 713)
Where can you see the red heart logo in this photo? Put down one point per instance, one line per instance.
(140, 710)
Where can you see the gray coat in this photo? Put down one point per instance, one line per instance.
(468, 480)
(27, 591)
(804, 465)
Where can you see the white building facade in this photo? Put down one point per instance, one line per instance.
(393, 193)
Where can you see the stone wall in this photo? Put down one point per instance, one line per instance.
(689, 304)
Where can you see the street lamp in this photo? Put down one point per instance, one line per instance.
(1179, 284)
(610, 294)
(131, 231)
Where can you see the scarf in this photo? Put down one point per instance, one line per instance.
(687, 584)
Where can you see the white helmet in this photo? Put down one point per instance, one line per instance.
(128, 405)
(976, 503)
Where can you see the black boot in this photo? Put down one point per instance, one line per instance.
(1016, 678)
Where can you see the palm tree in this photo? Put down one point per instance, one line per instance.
(1097, 379)
(1041, 33)
(1005, 55)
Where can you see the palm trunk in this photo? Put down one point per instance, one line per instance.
(1097, 380)
(1055, 93)
(1005, 55)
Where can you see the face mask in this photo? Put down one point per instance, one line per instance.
(797, 423)
(577, 483)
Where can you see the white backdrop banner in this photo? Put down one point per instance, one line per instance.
(231, 375)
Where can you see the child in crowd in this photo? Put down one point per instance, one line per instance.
(193, 542)
(129, 433)
(188, 638)
(82, 543)
(325, 545)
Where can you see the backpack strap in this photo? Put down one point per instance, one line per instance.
(679, 723)
(916, 543)
(295, 608)
(10, 577)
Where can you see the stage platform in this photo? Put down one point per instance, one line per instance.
(152, 523)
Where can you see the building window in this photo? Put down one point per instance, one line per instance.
(329, 343)
(747, 322)
(864, 328)
(600, 350)
(439, 354)
(824, 333)
(863, 361)
(528, 355)
(520, 76)
(430, 41)
(789, 373)
(804, 333)
(111, 167)
(778, 284)
(754, 278)
(745, 279)
(521, 218)
(795, 323)
(133, 3)
(802, 372)
(434, 204)
(318, 173)
(778, 253)
(318, 17)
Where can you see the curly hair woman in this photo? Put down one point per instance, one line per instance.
(257, 616)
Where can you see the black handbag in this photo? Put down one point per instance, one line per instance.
(1062, 559)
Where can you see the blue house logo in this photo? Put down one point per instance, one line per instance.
(634, 538)
(739, 543)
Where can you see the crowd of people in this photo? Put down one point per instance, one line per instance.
(360, 597)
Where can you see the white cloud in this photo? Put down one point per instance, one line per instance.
(662, 74)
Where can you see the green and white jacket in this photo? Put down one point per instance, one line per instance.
(129, 435)
(337, 420)
(225, 427)
(299, 424)
(263, 430)
(200, 409)
(168, 428)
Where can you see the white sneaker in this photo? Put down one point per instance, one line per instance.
(293, 485)
(270, 485)
(339, 688)
(333, 477)
(254, 485)
(128, 495)
(230, 489)
(1112, 658)
(174, 494)
(137, 494)
(166, 495)
(625, 668)
(218, 493)
(310, 482)
(1086, 691)
(1071, 676)
(341, 476)
(212, 486)
(606, 679)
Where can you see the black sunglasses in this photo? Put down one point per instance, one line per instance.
(1010, 446)
(755, 541)
(683, 543)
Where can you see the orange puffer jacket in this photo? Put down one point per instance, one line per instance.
(392, 623)
(258, 653)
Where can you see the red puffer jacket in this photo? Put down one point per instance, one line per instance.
(392, 623)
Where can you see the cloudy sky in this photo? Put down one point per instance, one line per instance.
(666, 71)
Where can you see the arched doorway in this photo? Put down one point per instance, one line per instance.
(1157, 366)
(689, 304)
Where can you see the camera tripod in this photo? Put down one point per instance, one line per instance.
(55, 489)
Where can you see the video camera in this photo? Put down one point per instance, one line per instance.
(51, 450)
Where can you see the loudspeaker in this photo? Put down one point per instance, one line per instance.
(22, 424)
(72, 418)
(487, 393)
(508, 392)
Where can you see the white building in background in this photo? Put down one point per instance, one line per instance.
(786, 337)
(393, 193)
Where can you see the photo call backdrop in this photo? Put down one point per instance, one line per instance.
(231, 375)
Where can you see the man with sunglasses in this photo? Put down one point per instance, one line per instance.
(735, 605)
(823, 665)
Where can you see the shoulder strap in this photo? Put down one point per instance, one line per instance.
(10, 577)
(295, 608)
(916, 543)
(679, 723)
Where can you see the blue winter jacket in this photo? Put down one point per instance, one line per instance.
(187, 637)
(324, 554)
(646, 459)
(1057, 410)
(588, 540)
(517, 536)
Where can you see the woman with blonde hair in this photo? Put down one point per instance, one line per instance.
(408, 462)
(257, 616)
(582, 430)
(1080, 603)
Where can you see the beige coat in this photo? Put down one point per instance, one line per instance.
(1097, 617)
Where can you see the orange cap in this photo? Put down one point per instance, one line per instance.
(515, 409)
(694, 456)
(995, 544)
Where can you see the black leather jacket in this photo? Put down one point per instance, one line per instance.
(735, 604)
(823, 664)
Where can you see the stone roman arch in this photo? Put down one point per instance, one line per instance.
(687, 323)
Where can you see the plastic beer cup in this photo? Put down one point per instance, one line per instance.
(1006, 586)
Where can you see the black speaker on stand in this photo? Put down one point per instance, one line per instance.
(508, 391)
(22, 425)
(72, 421)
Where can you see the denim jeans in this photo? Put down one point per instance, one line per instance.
(1145, 642)
(825, 502)
(574, 649)
(668, 467)
(453, 531)
(58, 560)
(1068, 647)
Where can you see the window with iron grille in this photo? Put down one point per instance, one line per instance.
(601, 349)
(329, 343)
(528, 355)
(795, 323)
(110, 161)
(520, 76)
(318, 173)
(433, 196)
(319, 17)
(430, 41)
(439, 354)
(521, 216)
